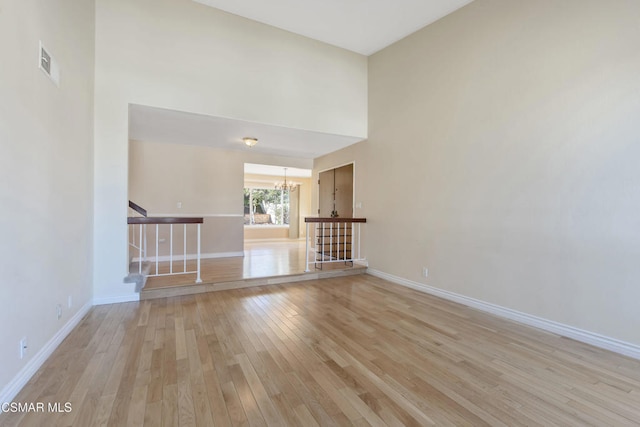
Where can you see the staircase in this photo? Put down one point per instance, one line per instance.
(140, 268)
(137, 275)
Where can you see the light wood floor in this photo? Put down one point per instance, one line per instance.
(348, 351)
(261, 259)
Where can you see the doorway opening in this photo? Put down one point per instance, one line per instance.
(273, 209)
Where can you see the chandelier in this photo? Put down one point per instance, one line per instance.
(286, 186)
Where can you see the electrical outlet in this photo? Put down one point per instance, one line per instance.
(179, 205)
(69, 301)
(425, 272)
(23, 347)
(59, 311)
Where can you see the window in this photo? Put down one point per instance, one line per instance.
(263, 206)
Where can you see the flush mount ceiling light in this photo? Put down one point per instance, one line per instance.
(250, 142)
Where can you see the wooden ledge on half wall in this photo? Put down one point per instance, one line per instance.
(337, 219)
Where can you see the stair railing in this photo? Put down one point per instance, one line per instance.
(140, 244)
(333, 240)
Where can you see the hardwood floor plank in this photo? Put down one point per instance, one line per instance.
(304, 417)
(135, 416)
(313, 402)
(84, 414)
(248, 401)
(198, 387)
(351, 350)
(170, 405)
(186, 409)
(103, 411)
(269, 412)
(153, 414)
(234, 407)
(154, 389)
(334, 393)
(219, 410)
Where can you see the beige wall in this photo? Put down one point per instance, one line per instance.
(204, 180)
(502, 155)
(265, 233)
(46, 135)
(185, 56)
(208, 182)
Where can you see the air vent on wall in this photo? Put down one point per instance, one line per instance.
(45, 61)
(48, 65)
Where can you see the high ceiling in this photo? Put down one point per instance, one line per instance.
(362, 26)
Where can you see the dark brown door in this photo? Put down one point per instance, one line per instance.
(326, 191)
(336, 192)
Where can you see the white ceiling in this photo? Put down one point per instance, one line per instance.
(255, 169)
(363, 26)
(153, 124)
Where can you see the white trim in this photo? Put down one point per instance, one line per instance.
(266, 226)
(275, 240)
(194, 215)
(24, 375)
(221, 255)
(363, 262)
(191, 257)
(601, 341)
(117, 299)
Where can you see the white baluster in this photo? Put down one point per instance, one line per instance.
(359, 256)
(198, 279)
(330, 241)
(157, 239)
(144, 233)
(171, 249)
(306, 266)
(338, 242)
(139, 250)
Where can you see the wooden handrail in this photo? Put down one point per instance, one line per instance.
(315, 219)
(143, 221)
(334, 240)
(142, 211)
(163, 220)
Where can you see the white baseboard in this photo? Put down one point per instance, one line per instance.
(190, 257)
(362, 262)
(117, 299)
(22, 378)
(275, 240)
(597, 340)
(196, 215)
